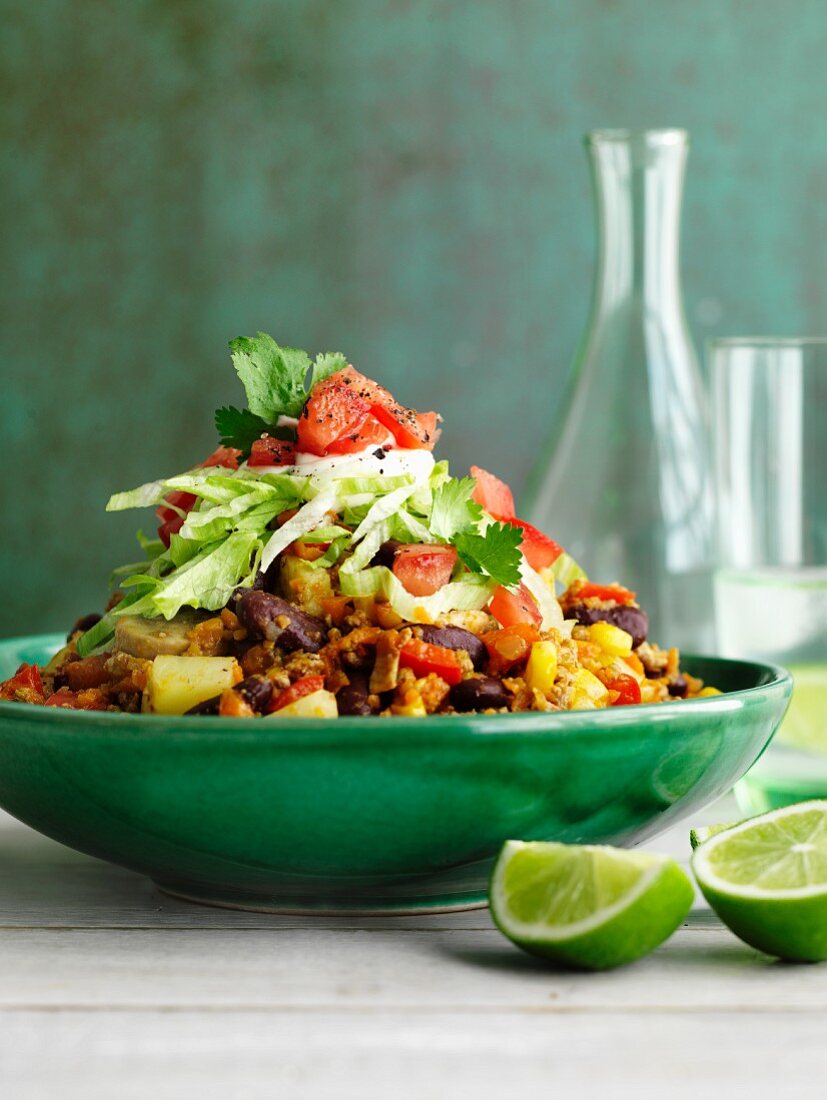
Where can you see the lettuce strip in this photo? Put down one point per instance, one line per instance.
(469, 594)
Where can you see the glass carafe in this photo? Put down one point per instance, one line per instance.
(624, 483)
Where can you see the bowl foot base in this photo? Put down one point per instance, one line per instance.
(326, 907)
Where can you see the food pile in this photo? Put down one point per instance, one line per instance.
(321, 563)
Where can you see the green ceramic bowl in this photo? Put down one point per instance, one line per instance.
(366, 814)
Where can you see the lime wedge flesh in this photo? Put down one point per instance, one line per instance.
(805, 724)
(766, 878)
(590, 907)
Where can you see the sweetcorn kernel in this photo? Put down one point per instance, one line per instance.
(541, 670)
(708, 691)
(409, 704)
(589, 692)
(611, 639)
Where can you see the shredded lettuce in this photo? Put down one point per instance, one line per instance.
(306, 519)
(366, 549)
(469, 594)
(209, 579)
(231, 531)
(547, 602)
(407, 528)
(383, 508)
(564, 570)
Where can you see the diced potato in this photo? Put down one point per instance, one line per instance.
(176, 684)
(611, 639)
(318, 704)
(541, 670)
(304, 585)
(589, 692)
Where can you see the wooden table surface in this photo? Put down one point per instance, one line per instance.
(110, 989)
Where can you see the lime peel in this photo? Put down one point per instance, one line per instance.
(591, 906)
(786, 851)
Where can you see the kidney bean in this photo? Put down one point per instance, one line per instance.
(208, 706)
(259, 583)
(353, 697)
(478, 693)
(86, 622)
(270, 617)
(678, 686)
(386, 553)
(631, 619)
(257, 691)
(455, 637)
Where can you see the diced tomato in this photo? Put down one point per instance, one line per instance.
(627, 688)
(365, 387)
(586, 590)
(423, 658)
(171, 521)
(370, 433)
(28, 676)
(334, 409)
(493, 495)
(409, 428)
(540, 551)
(306, 686)
(169, 528)
(166, 512)
(509, 646)
(416, 431)
(91, 699)
(223, 456)
(423, 568)
(509, 608)
(268, 451)
(24, 687)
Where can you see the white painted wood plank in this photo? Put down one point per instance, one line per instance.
(43, 884)
(473, 971)
(424, 1056)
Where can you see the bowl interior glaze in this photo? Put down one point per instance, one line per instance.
(369, 814)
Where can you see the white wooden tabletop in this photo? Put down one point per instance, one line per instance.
(110, 989)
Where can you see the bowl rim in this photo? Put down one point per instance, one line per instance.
(595, 722)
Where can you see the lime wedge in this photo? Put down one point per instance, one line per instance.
(805, 724)
(767, 880)
(586, 906)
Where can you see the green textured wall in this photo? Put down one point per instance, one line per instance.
(400, 180)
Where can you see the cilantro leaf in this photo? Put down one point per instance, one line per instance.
(239, 428)
(453, 511)
(325, 364)
(273, 377)
(496, 551)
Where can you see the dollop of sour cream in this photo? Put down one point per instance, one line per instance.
(371, 462)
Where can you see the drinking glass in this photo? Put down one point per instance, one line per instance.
(770, 441)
